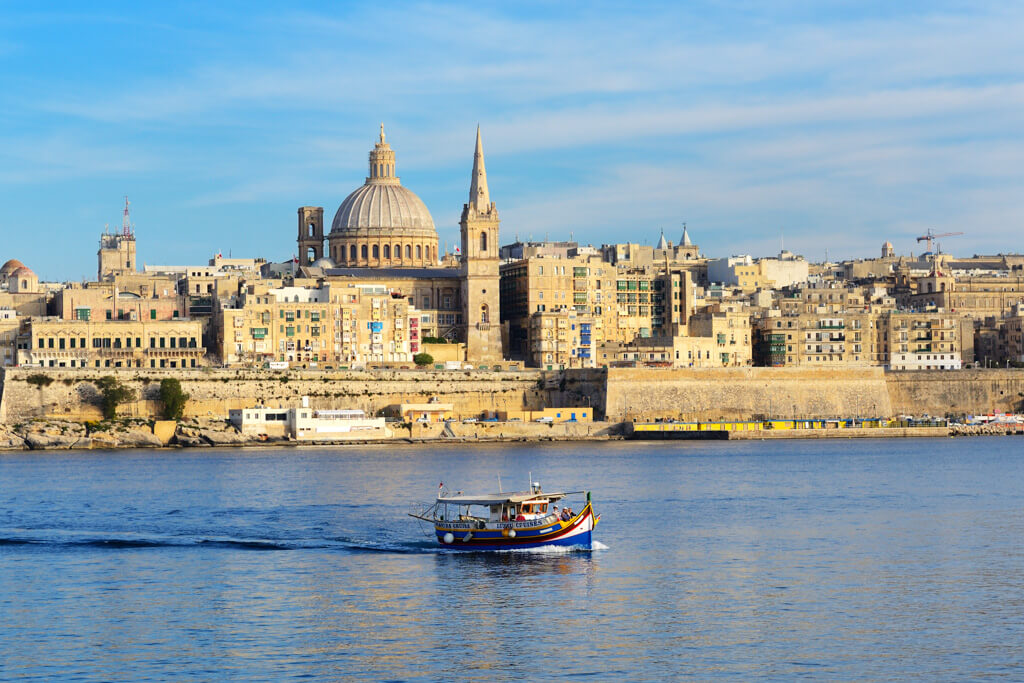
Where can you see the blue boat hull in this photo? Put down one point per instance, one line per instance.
(573, 533)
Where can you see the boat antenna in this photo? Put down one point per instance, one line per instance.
(530, 487)
(499, 484)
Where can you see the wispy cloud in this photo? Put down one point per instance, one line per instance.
(829, 119)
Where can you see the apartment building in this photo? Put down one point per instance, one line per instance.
(325, 326)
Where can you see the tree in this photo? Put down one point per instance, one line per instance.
(422, 359)
(112, 394)
(173, 398)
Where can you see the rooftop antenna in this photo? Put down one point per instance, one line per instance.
(782, 241)
(126, 226)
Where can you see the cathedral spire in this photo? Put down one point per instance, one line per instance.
(479, 196)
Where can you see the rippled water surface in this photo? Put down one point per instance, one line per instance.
(857, 559)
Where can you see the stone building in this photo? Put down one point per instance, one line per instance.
(116, 255)
(383, 234)
(898, 340)
(9, 326)
(379, 225)
(55, 343)
(323, 326)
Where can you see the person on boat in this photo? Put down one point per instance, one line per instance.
(565, 514)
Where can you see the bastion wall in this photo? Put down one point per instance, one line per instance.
(617, 394)
(711, 394)
(72, 395)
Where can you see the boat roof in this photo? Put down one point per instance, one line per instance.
(499, 498)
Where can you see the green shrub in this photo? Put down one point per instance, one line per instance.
(112, 394)
(422, 359)
(173, 398)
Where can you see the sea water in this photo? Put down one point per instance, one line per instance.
(839, 560)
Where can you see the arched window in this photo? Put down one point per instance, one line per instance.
(408, 251)
(312, 230)
(483, 242)
(365, 252)
(483, 314)
(376, 251)
(387, 251)
(426, 252)
(351, 252)
(398, 251)
(419, 252)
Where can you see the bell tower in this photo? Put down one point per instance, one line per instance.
(311, 234)
(480, 277)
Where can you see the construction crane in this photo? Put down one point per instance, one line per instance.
(930, 237)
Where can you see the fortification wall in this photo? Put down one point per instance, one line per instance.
(617, 394)
(740, 393)
(956, 391)
(72, 395)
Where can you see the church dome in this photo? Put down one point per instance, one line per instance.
(382, 224)
(10, 267)
(383, 208)
(323, 262)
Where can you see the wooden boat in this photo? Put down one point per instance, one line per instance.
(509, 521)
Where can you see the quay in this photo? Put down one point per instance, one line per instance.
(810, 429)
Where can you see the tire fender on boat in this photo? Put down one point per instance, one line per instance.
(511, 533)
(448, 538)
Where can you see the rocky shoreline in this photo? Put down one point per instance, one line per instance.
(44, 435)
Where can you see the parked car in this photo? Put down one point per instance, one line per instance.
(546, 419)
(469, 420)
(515, 419)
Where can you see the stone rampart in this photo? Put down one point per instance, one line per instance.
(72, 394)
(616, 394)
(711, 394)
(956, 391)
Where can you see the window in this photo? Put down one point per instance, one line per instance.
(152, 314)
(483, 242)
(408, 251)
(376, 251)
(419, 252)
(365, 251)
(387, 251)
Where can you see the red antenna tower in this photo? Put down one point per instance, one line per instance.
(126, 226)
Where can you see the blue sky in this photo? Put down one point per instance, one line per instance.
(836, 125)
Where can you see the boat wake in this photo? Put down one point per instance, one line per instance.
(126, 541)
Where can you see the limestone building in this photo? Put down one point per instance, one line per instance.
(383, 235)
(116, 255)
(55, 343)
(318, 326)
(380, 225)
